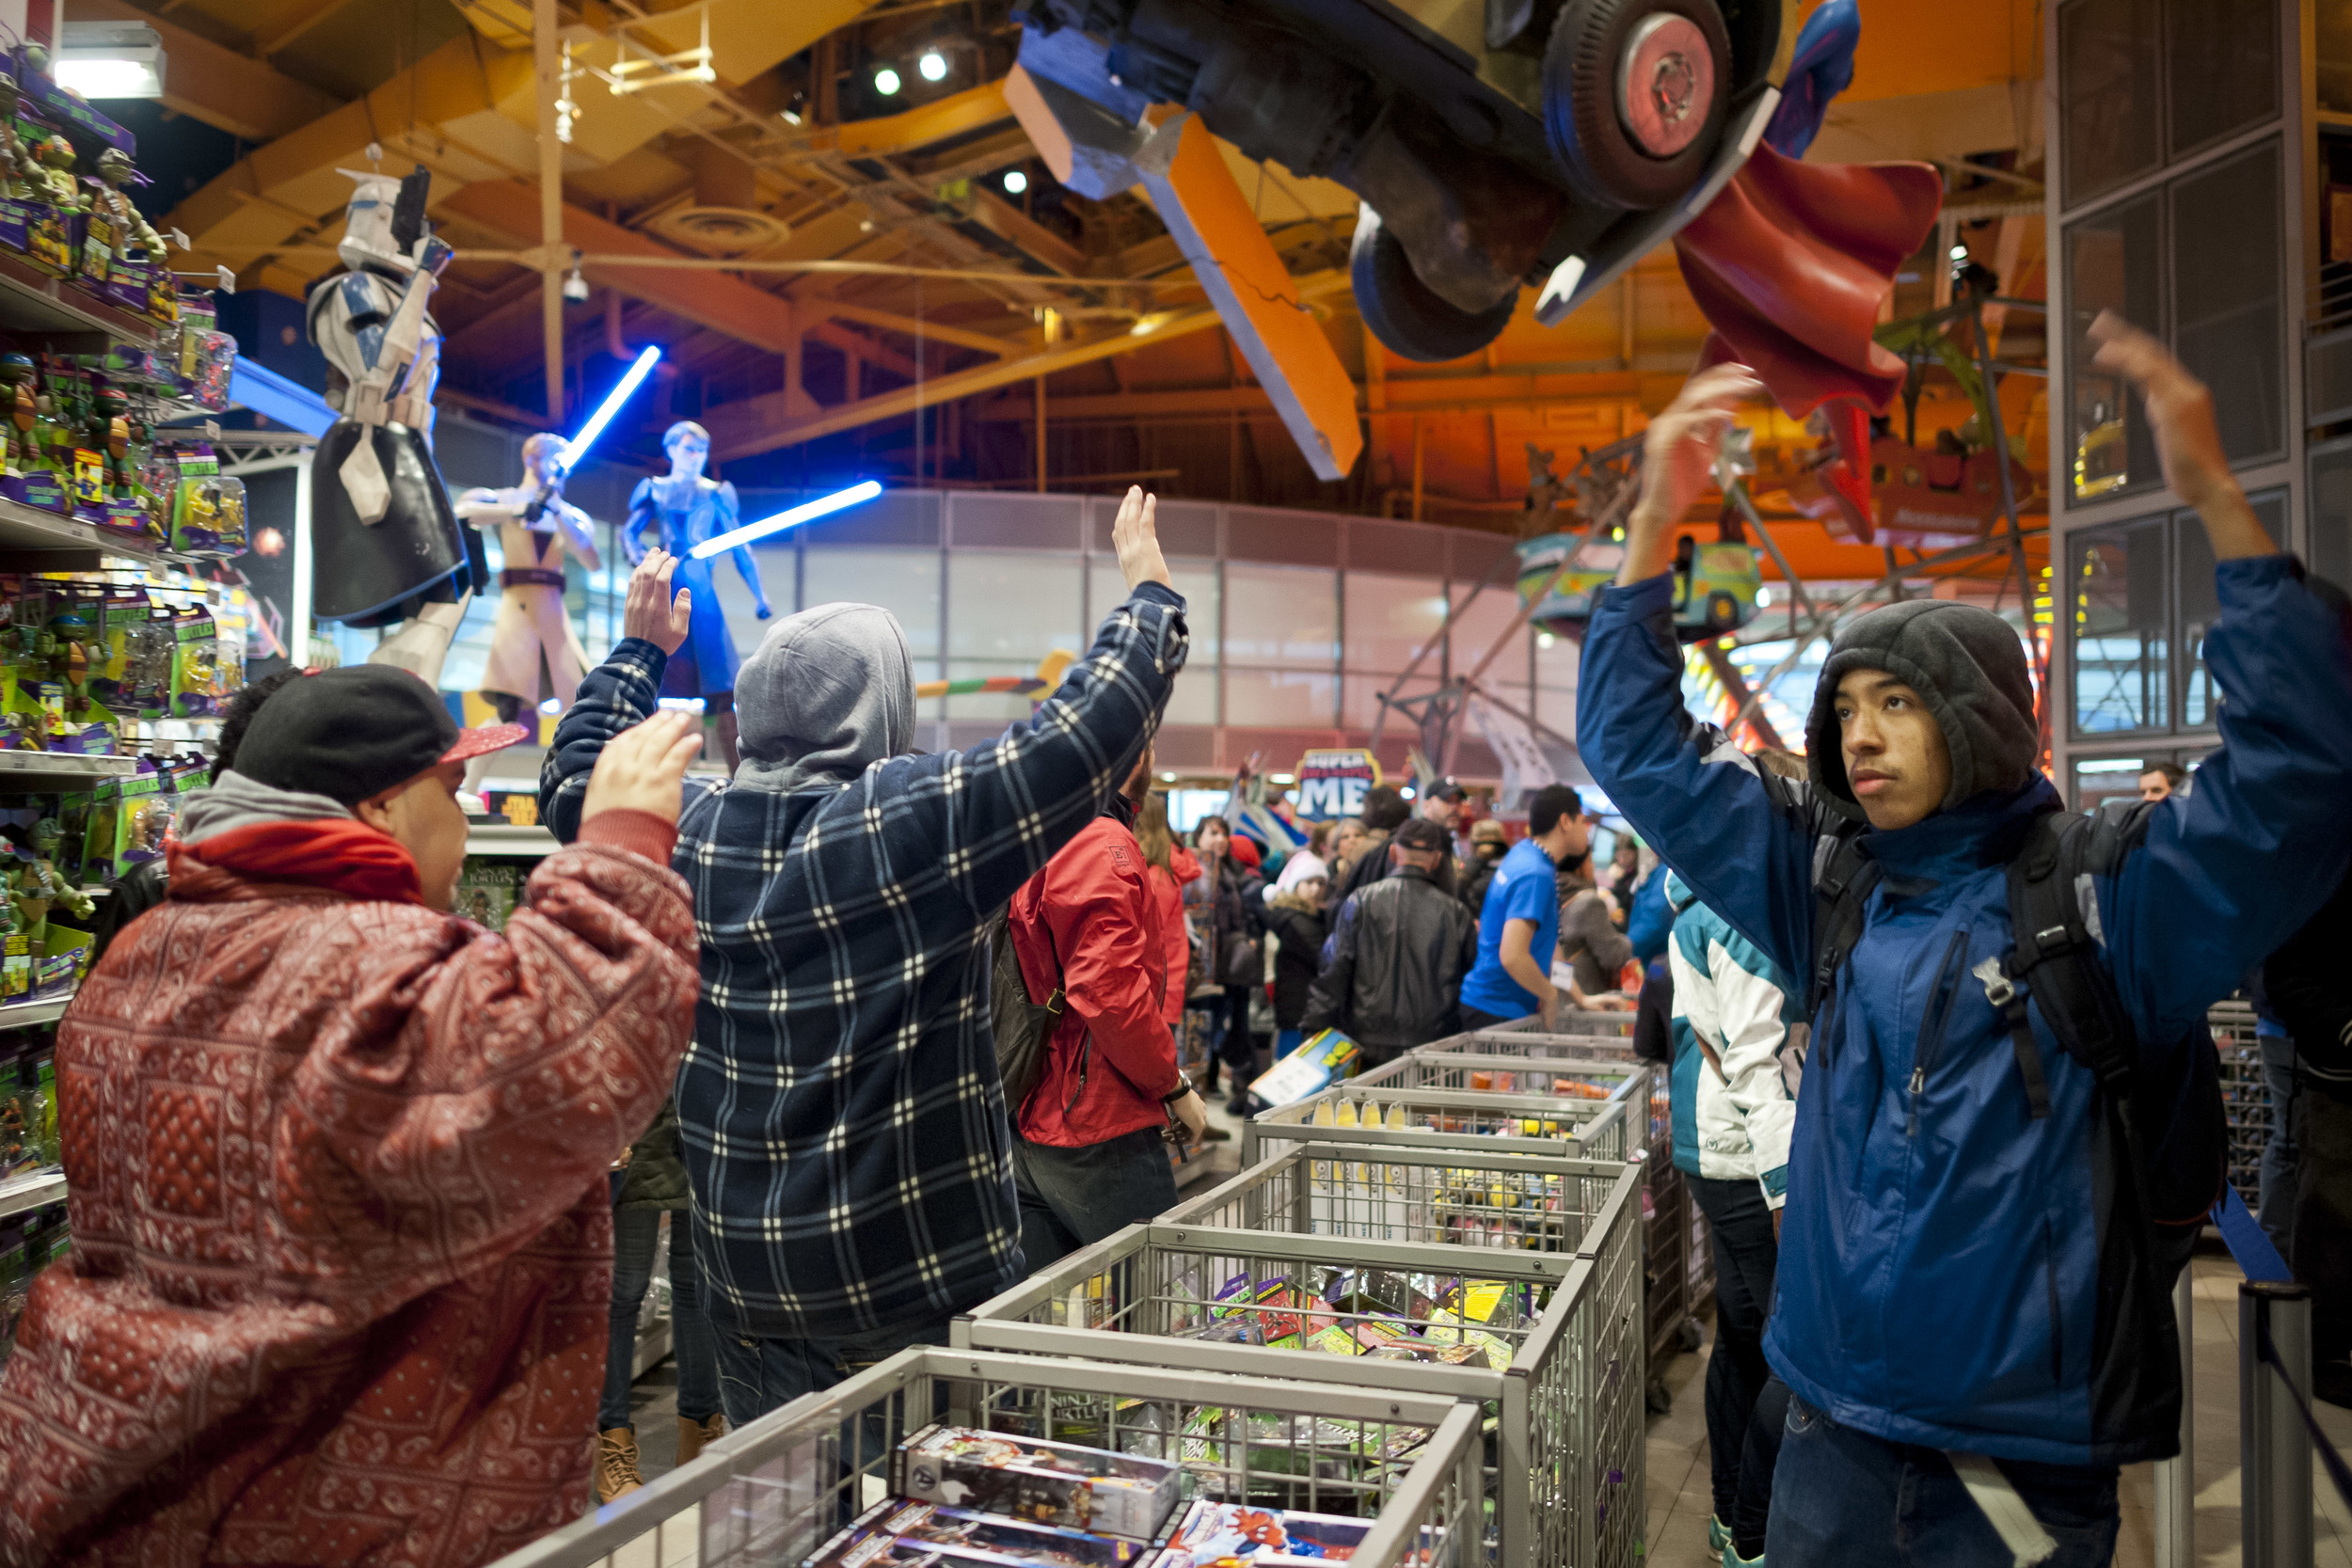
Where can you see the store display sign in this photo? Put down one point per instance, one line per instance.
(1332, 783)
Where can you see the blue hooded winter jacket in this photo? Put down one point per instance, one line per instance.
(1938, 1279)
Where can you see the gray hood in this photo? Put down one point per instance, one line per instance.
(234, 802)
(1967, 666)
(828, 693)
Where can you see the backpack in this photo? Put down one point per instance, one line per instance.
(2173, 1133)
(1023, 1028)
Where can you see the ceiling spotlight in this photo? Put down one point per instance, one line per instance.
(576, 286)
(1960, 253)
(886, 82)
(1015, 181)
(791, 116)
(933, 65)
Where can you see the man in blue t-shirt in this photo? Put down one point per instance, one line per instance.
(1519, 925)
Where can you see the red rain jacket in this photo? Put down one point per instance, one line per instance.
(342, 1244)
(1093, 909)
(1167, 896)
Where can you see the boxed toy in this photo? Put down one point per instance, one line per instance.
(896, 1531)
(487, 890)
(1036, 1479)
(1214, 1532)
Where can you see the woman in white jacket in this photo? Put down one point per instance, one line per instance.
(1739, 1047)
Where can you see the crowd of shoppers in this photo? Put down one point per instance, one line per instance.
(363, 1180)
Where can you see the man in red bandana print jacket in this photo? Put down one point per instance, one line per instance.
(337, 1157)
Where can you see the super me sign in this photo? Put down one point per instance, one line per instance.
(1332, 783)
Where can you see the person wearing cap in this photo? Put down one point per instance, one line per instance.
(1967, 1303)
(337, 1160)
(1489, 844)
(842, 1115)
(1399, 951)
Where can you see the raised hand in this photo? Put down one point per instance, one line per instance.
(1678, 461)
(1136, 536)
(2188, 443)
(650, 611)
(642, 767)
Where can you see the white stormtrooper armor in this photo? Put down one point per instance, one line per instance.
(383, 350)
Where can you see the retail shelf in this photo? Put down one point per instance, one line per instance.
(35, 772)
(33, 527)
(21, 1193)
(510, 842)
(27, 1014)
(32, 301)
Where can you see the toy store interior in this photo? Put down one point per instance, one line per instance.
(1176, 846)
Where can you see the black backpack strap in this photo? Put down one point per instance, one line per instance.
(1843, 877)
(2053, 920)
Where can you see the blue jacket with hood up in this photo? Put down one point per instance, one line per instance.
(1939, 1273)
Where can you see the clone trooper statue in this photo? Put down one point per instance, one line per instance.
(535, 525)
(389, 548)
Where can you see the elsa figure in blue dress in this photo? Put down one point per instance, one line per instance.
(690, 509)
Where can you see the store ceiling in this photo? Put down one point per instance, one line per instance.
(792, 154)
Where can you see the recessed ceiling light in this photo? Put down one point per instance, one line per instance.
(886, 82)
(933, 65)
(1015, 181)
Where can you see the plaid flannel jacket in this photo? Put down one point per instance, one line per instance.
(844, 1124)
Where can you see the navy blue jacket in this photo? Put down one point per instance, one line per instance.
(1941, 1254)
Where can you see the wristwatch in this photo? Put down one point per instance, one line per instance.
(1172, 1096)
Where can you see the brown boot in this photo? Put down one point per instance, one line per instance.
(617, 1464)
(692, 1434)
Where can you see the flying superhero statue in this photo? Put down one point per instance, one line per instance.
(390, 549)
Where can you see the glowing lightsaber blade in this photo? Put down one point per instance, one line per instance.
(805, 512)
(578, 445)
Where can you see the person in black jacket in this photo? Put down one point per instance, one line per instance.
(2307, 982)
(1384, 812)
(1228, 903)
(1399, 954)
(1299, 923)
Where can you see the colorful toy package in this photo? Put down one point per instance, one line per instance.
(208, 507)
(487, 888)
(896, 1531)
(1036, 1479)
(127, 821)
(200, 684)
(1214, 1532)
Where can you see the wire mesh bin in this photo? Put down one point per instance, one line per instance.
(2244, 1098)
(1442, 1118)
(1571, 1077)
(770, 1494)
(1563, 1344)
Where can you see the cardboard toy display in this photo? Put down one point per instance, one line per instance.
(1036, 1479)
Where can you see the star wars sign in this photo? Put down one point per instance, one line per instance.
(1332, 783)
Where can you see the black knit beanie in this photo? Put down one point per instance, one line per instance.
(1968, 667)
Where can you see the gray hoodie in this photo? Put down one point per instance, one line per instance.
(828, 692)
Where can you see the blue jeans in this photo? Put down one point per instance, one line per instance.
(1843, 1498)
(1073, 1197)
(1288, 1040)
(2273, 1203)
(759, 1375)
(634, 1231)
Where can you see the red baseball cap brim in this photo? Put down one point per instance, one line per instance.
(483, 740)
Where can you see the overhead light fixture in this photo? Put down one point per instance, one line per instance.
(791, 116)
(111, 60)
(933, 65)
(804, 513)
(1960, 253)
(576, 286)
(886, 82)
(1015, 181)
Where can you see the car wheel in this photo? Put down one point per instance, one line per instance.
(1406, 313)
(1723, 613)
(1634, 97)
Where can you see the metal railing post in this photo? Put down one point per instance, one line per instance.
(2274, 1446)
(2175, 1521)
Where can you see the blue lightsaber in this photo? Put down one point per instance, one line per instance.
(805, 512)
(578, 445)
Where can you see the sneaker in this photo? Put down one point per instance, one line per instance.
(692, 1434)
(1733, 1559)
(1718, 1535)
(617, 1464)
